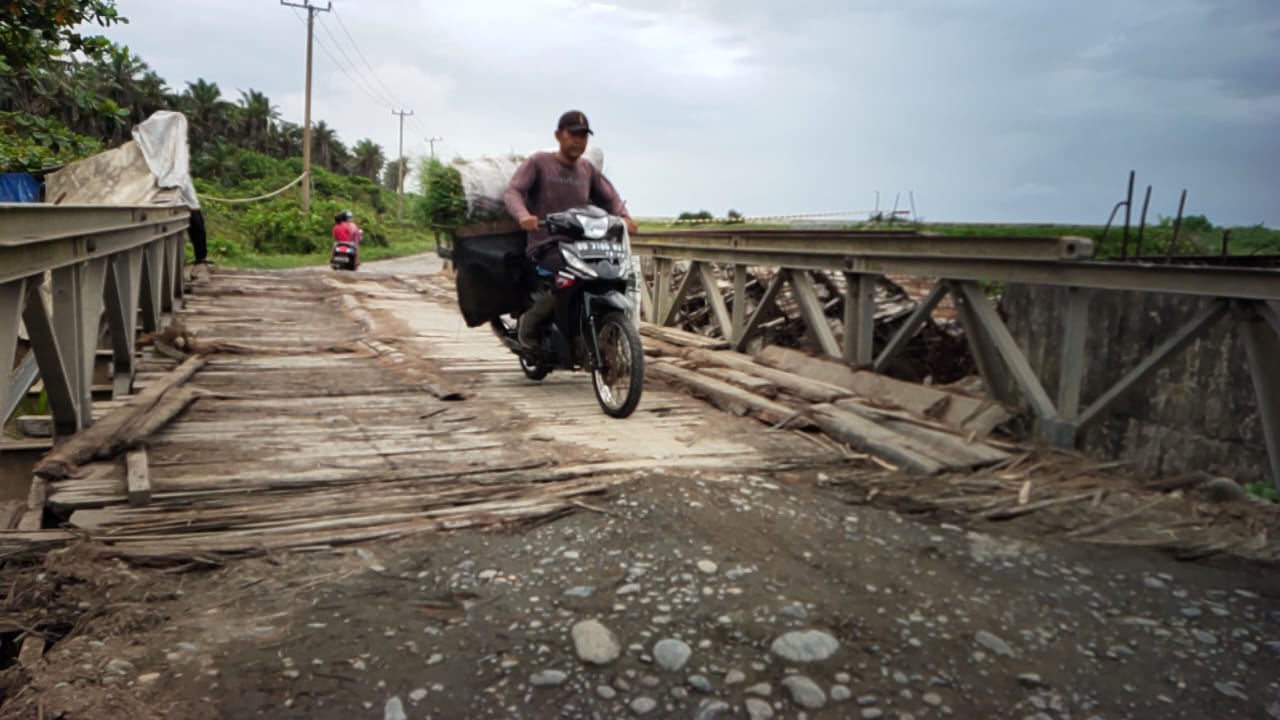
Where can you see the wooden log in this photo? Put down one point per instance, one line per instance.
(33, 517)
(11, 512)
(138, 479)
(863, 434)
(938, 441)
(144, 426)
(721, 394)
(750, 383)
(963, 412)
(804, 388)
(102, 439)
(679, 337)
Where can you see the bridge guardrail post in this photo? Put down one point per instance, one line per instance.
(1262, 345)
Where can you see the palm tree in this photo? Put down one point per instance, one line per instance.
(257, 115)
(206, 111)
(391, 175)
(327, 150)
(367, 159)
(286, 139)
(217, 161)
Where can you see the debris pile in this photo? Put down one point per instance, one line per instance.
(925, 429)
(936, 354)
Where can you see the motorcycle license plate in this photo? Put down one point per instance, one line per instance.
(598, 249)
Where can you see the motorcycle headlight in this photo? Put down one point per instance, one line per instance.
(593, 228)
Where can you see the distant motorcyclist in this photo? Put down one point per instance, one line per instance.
(554, 182)
(345, 230)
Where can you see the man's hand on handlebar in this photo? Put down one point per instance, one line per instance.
(529, 224)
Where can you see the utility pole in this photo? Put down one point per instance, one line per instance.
(400, 182)
(433, 141)
(306, 127)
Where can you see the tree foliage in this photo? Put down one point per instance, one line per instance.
(700, 215)
(35, 32)
(66, 93)
(442, 205)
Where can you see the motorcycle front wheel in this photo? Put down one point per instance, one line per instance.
(619, 380)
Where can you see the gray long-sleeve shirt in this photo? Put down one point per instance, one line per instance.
(544, 184)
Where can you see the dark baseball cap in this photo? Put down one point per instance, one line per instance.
(574, 121)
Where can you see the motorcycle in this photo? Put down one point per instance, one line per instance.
(596, 317)
(343, 256)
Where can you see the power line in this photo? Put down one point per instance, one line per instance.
(355, 83)
(372, 72)
(343, 69)
(383, 100)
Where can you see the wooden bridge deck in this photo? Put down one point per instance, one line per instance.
(314, 425)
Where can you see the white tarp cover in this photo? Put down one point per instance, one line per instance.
(151, 169)
(484, 179)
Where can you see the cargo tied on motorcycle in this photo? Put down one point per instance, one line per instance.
(594, 323)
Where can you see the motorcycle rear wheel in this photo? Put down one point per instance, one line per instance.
(619, 381)
(533, 369)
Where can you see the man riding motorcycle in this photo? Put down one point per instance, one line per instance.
(554, 182)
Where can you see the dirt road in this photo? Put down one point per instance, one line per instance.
(729, 576)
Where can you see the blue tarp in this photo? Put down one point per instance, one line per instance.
(18, 187)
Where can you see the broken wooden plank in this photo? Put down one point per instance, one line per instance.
(804, 388)
(33, 517)
(428, 381)
(721, 394)
(144, 426)
(863, 434)
(102, 439)
(1008, 513)
(964, 412)
(137, 480)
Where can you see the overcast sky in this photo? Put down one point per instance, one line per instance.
(987, 111)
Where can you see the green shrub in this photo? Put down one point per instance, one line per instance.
(443, 204)
(280, 226)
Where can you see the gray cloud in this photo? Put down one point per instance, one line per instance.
(1032, 111)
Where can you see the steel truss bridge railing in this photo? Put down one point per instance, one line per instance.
(74, 276)
(1250, 296)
